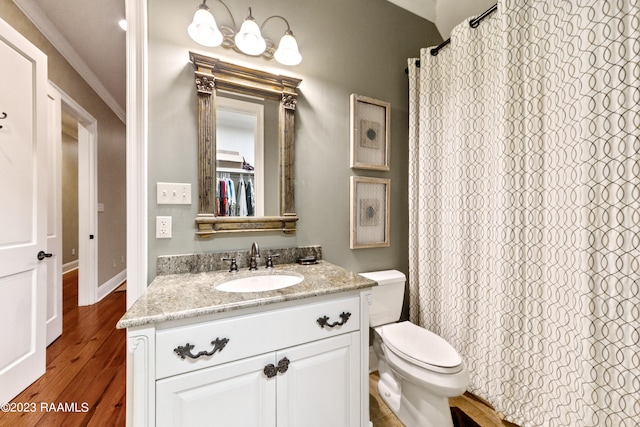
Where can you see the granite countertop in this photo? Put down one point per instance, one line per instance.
(186, 295)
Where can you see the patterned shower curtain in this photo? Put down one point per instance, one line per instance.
(524, 177)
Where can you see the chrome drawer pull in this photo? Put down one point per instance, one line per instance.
(185, 351)
(324, 321)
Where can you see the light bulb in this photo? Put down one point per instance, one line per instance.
(203, 29)
(287, 52)
(249, 40)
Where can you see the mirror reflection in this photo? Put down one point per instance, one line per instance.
(239, 158)
(246, 158)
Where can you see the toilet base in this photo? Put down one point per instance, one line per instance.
(414, 407)
(418, 398)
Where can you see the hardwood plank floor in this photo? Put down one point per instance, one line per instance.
(85, 380)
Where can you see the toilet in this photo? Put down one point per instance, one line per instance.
(419, 370)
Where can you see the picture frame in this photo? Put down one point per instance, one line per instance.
(369, 212)
(370, 121)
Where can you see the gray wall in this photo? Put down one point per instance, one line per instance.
(70, 191)
(354, 46)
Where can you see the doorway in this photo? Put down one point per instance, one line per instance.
(85, 126)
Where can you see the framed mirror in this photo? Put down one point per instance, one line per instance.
(227, 95)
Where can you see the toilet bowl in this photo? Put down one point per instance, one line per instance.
(419, 370)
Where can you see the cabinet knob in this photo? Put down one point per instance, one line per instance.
(271, 370)
(283, 365)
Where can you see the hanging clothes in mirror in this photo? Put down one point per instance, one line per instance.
(234, 195)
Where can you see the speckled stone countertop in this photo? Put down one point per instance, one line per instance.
(186, 295)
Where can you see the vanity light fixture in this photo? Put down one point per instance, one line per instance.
(248, 40)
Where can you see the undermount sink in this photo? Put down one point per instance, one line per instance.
(260, 283)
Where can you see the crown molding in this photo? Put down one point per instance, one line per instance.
(46, 27)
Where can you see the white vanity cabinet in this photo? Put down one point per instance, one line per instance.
(317, 389)
(299, 363)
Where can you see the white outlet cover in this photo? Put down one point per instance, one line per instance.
(163, 227)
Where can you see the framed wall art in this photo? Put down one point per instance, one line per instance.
(370, 133)
(369, 212)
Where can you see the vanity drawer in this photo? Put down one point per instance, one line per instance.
(253, 334)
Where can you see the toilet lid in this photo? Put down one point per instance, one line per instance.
(422, 347)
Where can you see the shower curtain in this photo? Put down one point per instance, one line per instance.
(524, 177)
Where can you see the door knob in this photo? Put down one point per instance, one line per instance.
(42, 255)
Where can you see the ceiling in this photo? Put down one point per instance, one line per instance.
(90, 39)
(94, 44)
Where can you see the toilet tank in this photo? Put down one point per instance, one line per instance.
(387, 297)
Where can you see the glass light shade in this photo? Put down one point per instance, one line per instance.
(203, 29)
(287, 53)
(249, 40)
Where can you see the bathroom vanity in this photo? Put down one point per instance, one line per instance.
(294, 356)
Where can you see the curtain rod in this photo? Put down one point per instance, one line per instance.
(473, 23)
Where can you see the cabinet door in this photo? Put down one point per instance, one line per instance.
(235, 394)
(322, 384)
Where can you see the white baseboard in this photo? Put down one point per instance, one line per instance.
(70, 266)
(112, 284)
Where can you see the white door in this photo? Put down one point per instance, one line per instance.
(88, 218)
(54, 215)
(23, 214)
(321, 386)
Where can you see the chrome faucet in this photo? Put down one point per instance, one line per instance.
(255, 253)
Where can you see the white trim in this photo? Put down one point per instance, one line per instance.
(141, 380)
(112, 284)
(46, 27)
(137, 107)
(87, 200)
(365, 302)
(54, 216)
(70, 266)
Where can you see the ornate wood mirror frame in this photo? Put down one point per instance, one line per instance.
(212, 74)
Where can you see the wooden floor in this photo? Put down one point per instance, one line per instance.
(85, 380)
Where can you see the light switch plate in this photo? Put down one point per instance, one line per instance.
(173, 194)
(163, 227)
